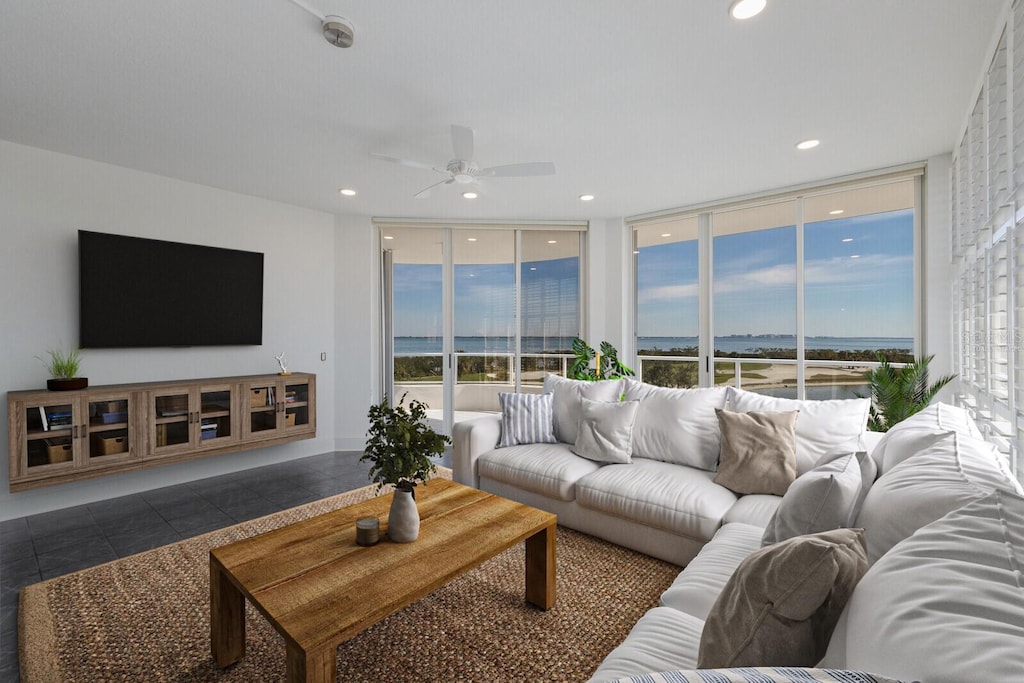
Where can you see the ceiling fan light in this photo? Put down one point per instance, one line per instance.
(470, 195)
(745, 9)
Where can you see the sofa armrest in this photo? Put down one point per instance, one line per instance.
(470, 440)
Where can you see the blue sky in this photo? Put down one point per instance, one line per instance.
(485, 299)
(861, 287)
(857, 288)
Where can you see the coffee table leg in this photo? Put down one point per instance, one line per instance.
(313, 667)
(227, 618)
(540, 568)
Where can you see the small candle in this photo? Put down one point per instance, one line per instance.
(367, 531)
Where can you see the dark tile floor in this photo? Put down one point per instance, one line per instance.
(39, 547)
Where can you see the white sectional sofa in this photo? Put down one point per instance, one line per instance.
(943, 520)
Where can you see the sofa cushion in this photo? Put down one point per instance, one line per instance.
(566, 397)
(525, 418)
(682, 500)
(914, 434)
(697, 587)
(824, 427)
(782, 602)
(551, 470)
(756, 509)
(827, 497)
(676, 425)
(759, 674)
(758, 452)
(606, 431)
(949, 473)
(958, 579)
(661, 640)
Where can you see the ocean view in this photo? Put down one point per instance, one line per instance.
(731, 344)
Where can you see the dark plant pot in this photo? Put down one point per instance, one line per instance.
(67, 384)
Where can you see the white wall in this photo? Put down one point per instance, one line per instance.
(358, 343)
(938, 271)
(45, 198)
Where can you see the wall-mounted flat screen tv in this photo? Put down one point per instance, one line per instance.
(138, 292)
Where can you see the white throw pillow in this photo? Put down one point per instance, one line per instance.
(823, 428)
(677, 425)
(828, 497)
(947, 604)
(950, 473)
(606, 431)
(568, 393)
(525, 418)
(914, 434)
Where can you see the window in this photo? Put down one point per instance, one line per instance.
(472, 311)
(791, 296)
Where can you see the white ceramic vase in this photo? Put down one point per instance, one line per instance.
(404, 518)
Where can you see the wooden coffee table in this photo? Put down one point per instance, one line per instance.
(318, 588)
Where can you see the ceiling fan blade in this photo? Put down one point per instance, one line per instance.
(519, 170)
(404, 162)
(462, 142)
(425, 192)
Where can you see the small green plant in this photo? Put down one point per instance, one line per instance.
(607, 366)
(898, 393)
(400, 444)
(63, 364)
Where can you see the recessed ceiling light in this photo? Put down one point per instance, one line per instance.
(847, 239)
(533, 267)
(348, 192)
(552, 241)
(586, 197)
(835, 212)
(388, 237)
(471, 239)
(470, 195)
(808, 144)
(666, 234)
(744, 9)
(854, 255)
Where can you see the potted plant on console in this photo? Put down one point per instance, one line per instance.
(399, 445)
(63, 367)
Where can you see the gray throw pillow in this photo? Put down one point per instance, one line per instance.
(758, 453)
(827, 497)
(780, 606)
(606, 431)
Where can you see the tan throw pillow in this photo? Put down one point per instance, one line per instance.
(758, 452)
(782, 603)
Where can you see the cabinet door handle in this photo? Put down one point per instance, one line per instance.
(74, 432)
(84, 431)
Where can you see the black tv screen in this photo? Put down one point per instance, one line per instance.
(137, 292)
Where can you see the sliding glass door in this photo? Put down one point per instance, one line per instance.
(470, 312)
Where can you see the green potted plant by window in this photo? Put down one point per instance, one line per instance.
(606, 366)
(63, 365)
(898, 393)
(399, 446)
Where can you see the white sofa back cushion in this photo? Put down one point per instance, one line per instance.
(828, 497)
(676, 425)
(823, 428)
(568, 395)
(912, 435)
(951, 472)
(947, 604)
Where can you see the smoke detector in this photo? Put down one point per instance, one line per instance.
(338, 31)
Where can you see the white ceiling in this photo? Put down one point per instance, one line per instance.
(648, 104)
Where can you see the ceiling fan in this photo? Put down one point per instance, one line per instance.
(463, 170)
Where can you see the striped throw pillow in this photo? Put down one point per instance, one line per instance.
(525, 418)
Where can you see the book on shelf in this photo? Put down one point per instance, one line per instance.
(42, 418)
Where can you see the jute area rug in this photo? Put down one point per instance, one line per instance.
(146, 618)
